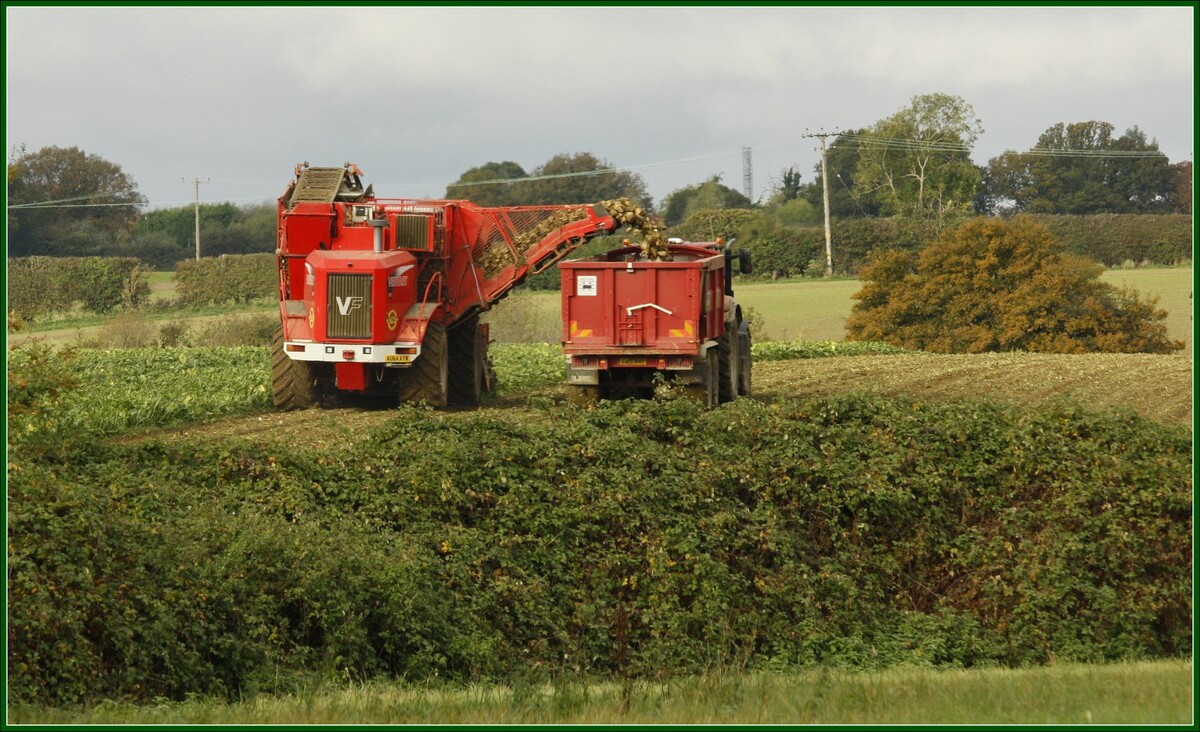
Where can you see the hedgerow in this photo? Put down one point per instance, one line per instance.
(234, 278)
(40, 285)
(638, 538)
(1114, 239)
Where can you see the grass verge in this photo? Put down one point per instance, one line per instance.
(1157, 692)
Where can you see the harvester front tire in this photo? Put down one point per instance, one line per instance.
(293, 385)
(427, 380)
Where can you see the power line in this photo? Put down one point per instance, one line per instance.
(911, 143)
(48, 204)
(581, 173)
(68, 205)
(854, 139)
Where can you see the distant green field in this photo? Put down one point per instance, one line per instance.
(1172, 286)
(786, 310)
(811, 310)
(816, 310)
(162, 286)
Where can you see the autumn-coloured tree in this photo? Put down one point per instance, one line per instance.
(1001, 285)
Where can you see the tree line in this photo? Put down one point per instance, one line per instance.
(64, 202)
(914, 164)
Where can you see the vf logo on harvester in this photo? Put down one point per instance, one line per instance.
(347, 305)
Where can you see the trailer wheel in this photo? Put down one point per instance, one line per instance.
(708, 391)
(467, 364)
(727, 358)
(293, 384)
(744, 371)
(428, 378)
(583, 395)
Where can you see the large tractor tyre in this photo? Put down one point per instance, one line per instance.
(467, 364)
(293, 385)
(708, 391)
(744, 354)
(427, 380)
(727, 359)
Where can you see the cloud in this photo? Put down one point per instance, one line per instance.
(420, 94)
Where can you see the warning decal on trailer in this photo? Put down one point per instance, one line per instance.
(585, 285)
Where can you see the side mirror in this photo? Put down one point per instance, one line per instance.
(744, 264)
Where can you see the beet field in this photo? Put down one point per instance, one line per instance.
(1003, 538)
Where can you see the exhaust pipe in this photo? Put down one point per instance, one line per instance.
(380, 225)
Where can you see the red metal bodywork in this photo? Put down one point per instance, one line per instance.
(623, 312)
(361, 280)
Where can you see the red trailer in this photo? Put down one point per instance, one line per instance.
(627, 319)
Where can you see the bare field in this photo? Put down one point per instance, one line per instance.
(1156, 387)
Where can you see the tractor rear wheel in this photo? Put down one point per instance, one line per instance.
(428, 377)
(708, 391)
(727, 358)
(293, 385)
(744, 371)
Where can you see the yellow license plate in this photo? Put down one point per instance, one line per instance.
(633, 361)
(398, 359)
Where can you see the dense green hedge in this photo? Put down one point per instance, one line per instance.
(1114, 239)
(39, 285)
(232, 278)
(635, 538)
(1109, 239)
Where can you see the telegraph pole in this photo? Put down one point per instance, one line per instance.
(825, 181)
(197, 183)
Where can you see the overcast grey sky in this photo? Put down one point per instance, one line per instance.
(416, 96)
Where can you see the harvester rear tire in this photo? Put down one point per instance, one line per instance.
(293, 385)
(427, 380)
(467, 364)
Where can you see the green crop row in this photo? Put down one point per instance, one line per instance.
(789, 350)
(120, 390)
(123, 390)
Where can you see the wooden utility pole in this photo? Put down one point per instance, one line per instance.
(825, 181)
(197, 183)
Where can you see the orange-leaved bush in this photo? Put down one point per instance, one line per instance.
(1001, 285)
